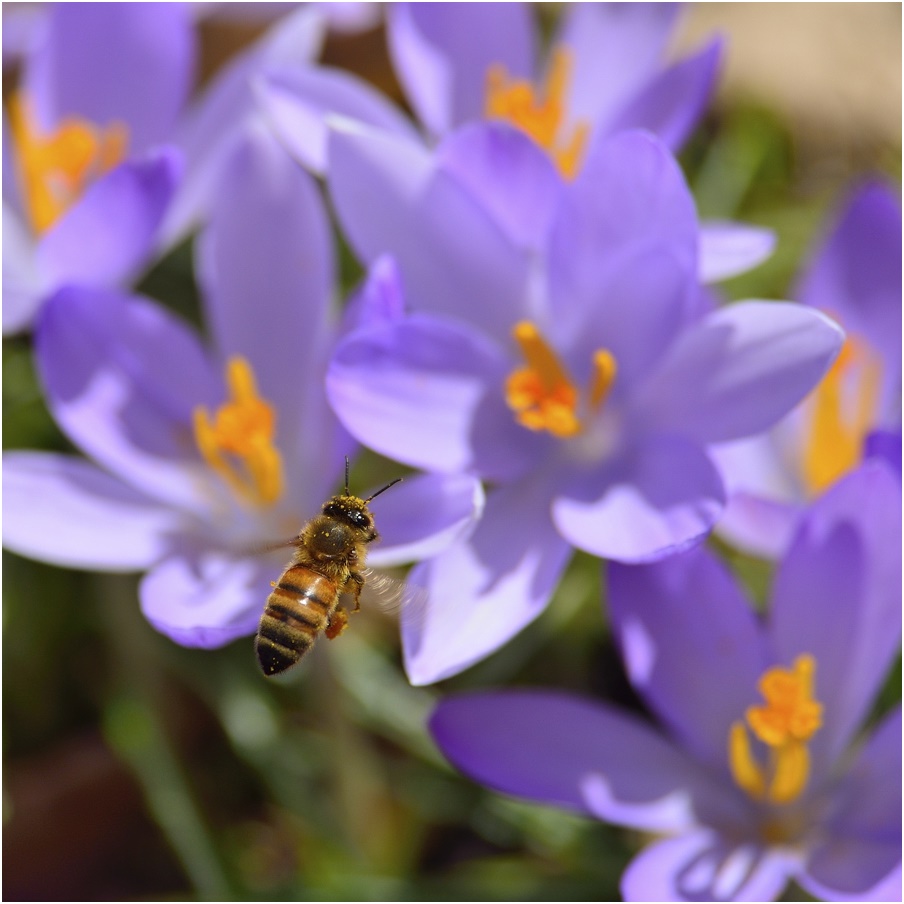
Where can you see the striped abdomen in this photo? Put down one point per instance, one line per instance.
(298, 609)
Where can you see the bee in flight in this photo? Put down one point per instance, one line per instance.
(328, 561)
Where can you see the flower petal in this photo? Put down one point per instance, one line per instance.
(663, 497)
(856, 273)
(484, 590)
(390, 197)
(442, 52)
(860, 844)
(129, 62)
(299, 100)
(670, 104)
(631, 200)
(428, 392)
(60, 509)
(206, 598)
(22, 283)
(223, 109)
(510, 175)
(425, 515)
(551, 747)
(379, 300)
(837, 596)
(701, 866)
(739, 370)
(107, 236)
(688, 609)
(267, 266)
(617, 49)
(122, 377)
(728, 249)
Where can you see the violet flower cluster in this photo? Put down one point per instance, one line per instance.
(538, 334)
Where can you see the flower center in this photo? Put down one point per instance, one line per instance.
(56, 168)
(237, 442)
(789, 718)
(516, 101)
(543, 395)
(841, 412)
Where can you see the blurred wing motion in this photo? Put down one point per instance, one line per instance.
(393, 596)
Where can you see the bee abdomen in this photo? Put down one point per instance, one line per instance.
(297, 610)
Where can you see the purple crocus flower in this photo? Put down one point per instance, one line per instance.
(201, 455)
(100, 134)
(476, 62)
(753, 769)
(854, 275)
(563, 354)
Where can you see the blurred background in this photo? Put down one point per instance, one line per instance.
(135, 769)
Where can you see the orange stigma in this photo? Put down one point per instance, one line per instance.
(542, 117)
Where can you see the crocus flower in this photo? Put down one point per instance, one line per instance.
(753, 768)
(464, 63)
(99, 134)
(564, 355)
(203, 454)
(854, 275)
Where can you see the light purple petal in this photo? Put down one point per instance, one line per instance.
(837, 596)
(205, 598)
(122, 377)
(379, 301)
(617, 49)
(758, 526)
(701, 866)
(442, 52)
(60, 509)
(740, 370)
(428, 392)
(688, 609)
(299, 100)
(551, 747)
(728, 249)
(390, 197)
(424, 515)
(23, 24)
(861, 843)
(484, 590)
(22, 283)
(107, 236)
(670, 105)
(510, 175)
(267, 268)
(885, 444)
(856, 273)
(131, 62)
(662, 497)
(224, 107)
(623, 257)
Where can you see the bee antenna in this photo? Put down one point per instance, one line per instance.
(346, 476)
(391, 483)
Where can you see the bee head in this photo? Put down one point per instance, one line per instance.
(351, 511)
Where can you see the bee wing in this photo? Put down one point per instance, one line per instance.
(393, 596)
(263, 548)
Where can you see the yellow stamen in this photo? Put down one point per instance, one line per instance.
(55, 169)
(543, 395)
(242, 432)
(837, 430)
(784, 724)
(516, 102)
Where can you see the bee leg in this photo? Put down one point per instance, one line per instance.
(354, 585)
(337, 623)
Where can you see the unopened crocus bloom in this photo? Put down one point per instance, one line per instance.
(203, 454)
(99, 135)
(754, 769)
(563, 355)
(854, 275)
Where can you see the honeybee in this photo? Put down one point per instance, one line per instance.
(328, 561)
